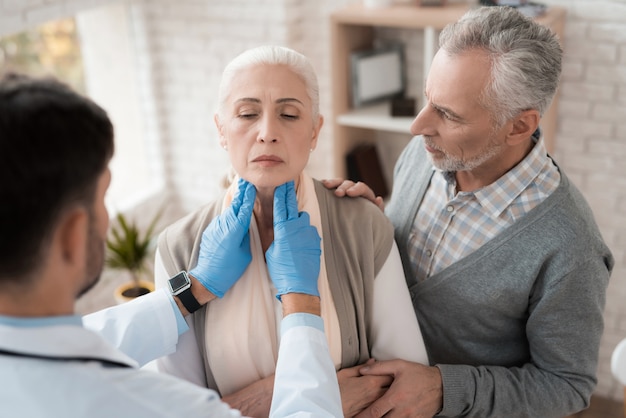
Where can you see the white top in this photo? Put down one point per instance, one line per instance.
(618, 362)
(394, 331)
(92, 378)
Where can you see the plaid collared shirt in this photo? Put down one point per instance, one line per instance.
(450, 225)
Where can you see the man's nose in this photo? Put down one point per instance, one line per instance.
(423, 124)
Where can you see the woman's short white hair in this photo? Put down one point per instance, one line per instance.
(272, 55)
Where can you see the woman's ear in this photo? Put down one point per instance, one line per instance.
(316, 132)
(523, 127)
(220, 130)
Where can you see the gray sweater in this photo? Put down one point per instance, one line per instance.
(514, 327)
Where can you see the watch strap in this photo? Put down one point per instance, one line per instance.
(189, 301)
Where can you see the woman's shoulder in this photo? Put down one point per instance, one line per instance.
(355, 228)
(351, 211)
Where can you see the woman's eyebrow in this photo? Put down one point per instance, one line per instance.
(248, 99)
(289, 99)
(281, 100)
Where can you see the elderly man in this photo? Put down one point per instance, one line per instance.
(505, 264)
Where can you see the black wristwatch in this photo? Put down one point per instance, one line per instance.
(180, 286)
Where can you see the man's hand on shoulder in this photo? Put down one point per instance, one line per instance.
(349, 188)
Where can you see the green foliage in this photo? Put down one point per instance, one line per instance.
(127, 248)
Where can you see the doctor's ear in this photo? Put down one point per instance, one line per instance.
(70, 238)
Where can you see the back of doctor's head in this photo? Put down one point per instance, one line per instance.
(272, 55)
(54, 146)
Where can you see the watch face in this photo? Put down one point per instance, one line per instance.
(178, 282)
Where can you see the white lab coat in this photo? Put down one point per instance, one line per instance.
(93, 378)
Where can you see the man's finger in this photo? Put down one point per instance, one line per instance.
(360, 189)
(380, 368)
(332, 183)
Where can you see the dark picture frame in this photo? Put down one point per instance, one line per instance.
(378, 74)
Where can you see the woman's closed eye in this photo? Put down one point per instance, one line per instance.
(290, 116)
(247, 114)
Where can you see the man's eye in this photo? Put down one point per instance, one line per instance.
(444, 114)
(289, 116)
(246, 115)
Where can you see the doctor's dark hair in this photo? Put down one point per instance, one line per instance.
(54, 146)
(525, 58)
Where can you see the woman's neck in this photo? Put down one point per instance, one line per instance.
(264, 216)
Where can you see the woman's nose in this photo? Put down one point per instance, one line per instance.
(268, 131)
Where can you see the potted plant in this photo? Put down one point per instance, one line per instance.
(130, 250)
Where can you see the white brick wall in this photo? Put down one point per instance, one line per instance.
(183, 45)
(591, 144)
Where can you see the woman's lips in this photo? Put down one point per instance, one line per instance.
(267, 160)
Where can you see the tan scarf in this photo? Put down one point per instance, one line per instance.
(243, 328)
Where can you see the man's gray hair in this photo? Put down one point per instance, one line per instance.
(525, 58)
(272, 55)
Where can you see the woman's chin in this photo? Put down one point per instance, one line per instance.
(266, 183)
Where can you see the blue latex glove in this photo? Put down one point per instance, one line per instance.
(293, 259)
(225, 245)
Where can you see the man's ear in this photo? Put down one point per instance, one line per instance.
(524, 125)
(71, 238)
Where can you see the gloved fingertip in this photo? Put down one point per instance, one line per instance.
(304, 216)
(280, 210)
(291, 201)
(239, 194)
(247, 204)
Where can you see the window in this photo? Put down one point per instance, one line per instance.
(52, 48)
(94, 53)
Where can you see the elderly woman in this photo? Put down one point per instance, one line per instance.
(268, 121)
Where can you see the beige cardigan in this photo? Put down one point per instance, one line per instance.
(357, 240)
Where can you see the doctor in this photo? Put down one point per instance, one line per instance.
(55, 147)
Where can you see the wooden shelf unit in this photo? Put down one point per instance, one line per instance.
(353, 28)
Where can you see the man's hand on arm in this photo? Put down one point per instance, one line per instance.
(358, 391)
(416, 390)
(349, 188)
